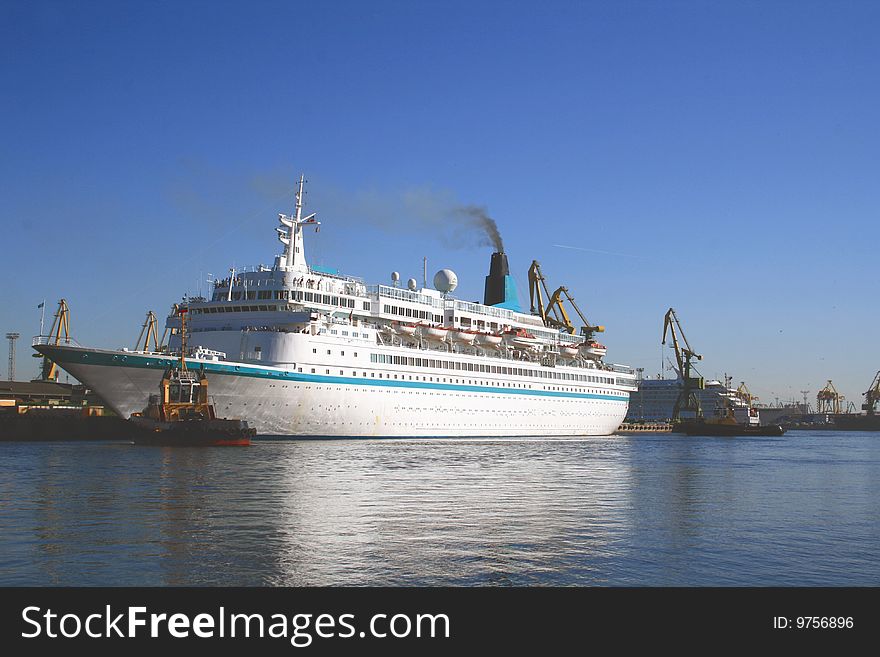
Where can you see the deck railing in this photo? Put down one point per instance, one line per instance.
(51, 340)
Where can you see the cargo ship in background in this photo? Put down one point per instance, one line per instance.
(724, 410)
(856, 421)
(867, 421)
(298, 350)
(690, 404)
(654, 400)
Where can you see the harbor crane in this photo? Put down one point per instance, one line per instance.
(149, 330)
(554, 313)
(828, 400)
(745, 394)
(684, 356)
(59, 332)
(872, 396)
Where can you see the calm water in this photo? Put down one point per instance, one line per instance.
(646, 510)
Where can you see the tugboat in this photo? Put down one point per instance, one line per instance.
(181, 414)
(730, 421)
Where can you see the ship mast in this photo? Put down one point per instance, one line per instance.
(182, 311)
(290, 234)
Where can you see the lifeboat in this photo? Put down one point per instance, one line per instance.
(406, 329)
(437, 333)
(593, 349)
(462, 336)
(569, 350)
(489, 339)
(522, 339)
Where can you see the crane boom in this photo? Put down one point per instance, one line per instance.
(148, 330)
(536, 282)
(872, 396)
(59, 332)
(684, 355)
(745, 394)
(554, 313)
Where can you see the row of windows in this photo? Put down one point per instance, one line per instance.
(294, 295)
(410, 312)
(354, 334)
(250, 295)
(473, 382)
(407, 295)
(487, 369)
(235, 309)
(327, 299)
(479, 309)
(387, 359)
(478, 324)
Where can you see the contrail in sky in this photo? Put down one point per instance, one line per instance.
(580, 248)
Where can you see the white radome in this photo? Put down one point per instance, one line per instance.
(445, 280)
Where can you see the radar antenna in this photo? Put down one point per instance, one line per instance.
(290, 233)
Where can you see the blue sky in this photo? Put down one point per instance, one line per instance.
(726, 152)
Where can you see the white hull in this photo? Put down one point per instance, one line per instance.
(364, 409)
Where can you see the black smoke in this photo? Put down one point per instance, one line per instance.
(487, 230)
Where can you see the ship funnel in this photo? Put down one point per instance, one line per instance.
(500, 288)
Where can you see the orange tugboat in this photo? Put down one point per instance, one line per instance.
(181, 413)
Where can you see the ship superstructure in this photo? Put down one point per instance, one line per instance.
(302, 350)
(655, 399)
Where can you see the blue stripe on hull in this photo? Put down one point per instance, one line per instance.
(66, 355)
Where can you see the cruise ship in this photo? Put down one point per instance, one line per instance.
(298, 350)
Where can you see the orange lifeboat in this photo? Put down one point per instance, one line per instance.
(522, 339)
(593, 349)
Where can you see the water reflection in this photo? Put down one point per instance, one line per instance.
(662, 510)
(468, 512)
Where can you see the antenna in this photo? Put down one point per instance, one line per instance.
(182, 311)
(290, 232)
